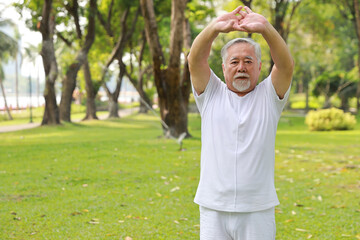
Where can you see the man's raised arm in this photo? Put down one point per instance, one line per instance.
(201, 47)
(281, 73)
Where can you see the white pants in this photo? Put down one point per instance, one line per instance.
(217, 225)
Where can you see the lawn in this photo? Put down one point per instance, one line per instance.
(119, 178)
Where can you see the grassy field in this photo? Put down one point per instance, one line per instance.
(118, 178)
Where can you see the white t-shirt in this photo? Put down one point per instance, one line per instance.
(238, 147)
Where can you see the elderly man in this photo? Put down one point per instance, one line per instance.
(239, 118)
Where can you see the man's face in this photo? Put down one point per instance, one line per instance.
(241, 68)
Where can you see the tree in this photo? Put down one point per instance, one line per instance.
(138, 82)
(350, 11)
(69, 82)
(47, 26)
(335, 83)
(357, 29)
(124, 36)
(282, 15)
(169, 85)
(8, 49)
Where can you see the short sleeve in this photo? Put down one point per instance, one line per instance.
(279, 103)
(212, 87)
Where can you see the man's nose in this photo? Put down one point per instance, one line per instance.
(241, 67)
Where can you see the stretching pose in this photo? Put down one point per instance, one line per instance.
(239, 118)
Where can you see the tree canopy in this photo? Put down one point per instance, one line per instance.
(95, 41)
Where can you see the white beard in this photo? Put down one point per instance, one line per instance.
(241, 85)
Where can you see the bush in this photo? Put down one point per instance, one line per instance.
(330, 119)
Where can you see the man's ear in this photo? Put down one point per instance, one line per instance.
(223, 68)
(260, 66)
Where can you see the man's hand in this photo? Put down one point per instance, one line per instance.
(229, 21)
(252, 22)
(239, 20)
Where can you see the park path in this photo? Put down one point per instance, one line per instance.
(11, 128)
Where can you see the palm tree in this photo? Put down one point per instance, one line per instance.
(8, 49)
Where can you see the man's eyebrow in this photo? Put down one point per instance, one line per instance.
(237, 58)
(234, 58)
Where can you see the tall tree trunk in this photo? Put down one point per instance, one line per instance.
(47, 27)
(158, 59)
(176, 118)
(185, 82)
(69, 81)
(167, 81)
(357, 28)
(145, 102)
(90, 93)
(5, 102)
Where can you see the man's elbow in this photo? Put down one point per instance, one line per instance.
(190, 58)
(290, 66)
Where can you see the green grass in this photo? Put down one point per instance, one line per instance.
(117, 178)
(78, 112)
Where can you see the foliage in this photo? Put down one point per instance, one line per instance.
(329, 82)
(8, 44)
(330, 119)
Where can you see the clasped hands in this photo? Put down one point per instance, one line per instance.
(239, 20)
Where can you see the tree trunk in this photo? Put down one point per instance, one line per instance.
(327, 103)
(117, 53)
(69, 81)
(113, 97)
(158, 59)
(47, 27)
(176, 117)
(145, 101)
(90, 93)
(5, 102)
(168, 80)
(186, 83)
(69, 84)
(357, 28)
(306, 89)
(113, 108)
(344, 102)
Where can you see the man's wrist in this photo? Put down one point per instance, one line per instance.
(212, 28)
(268, 29)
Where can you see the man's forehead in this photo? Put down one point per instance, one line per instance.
(241, 50)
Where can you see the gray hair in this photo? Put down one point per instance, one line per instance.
(241, 40)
